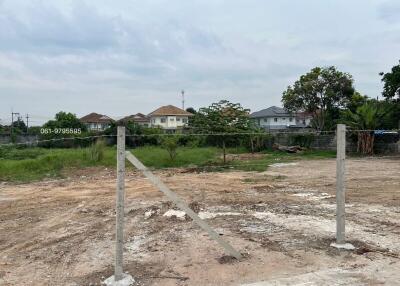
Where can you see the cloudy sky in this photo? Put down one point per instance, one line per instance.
(127, 56)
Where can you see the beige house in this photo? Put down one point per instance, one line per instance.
(169, 117)
(96, 122)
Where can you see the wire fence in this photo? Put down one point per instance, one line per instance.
(160, 135)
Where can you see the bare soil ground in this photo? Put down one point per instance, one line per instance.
(62, 232)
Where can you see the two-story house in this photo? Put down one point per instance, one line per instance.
(169, 117)
(274, 118)
(96, 122)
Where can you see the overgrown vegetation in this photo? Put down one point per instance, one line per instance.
(24, 165)
(365, 119)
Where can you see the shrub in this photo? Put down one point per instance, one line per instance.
(96, 151)
(303, 140)
(170, 143)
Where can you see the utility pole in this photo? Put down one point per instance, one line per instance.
(183, 99)
(27, 123)
(12, 120)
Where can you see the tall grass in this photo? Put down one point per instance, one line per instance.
(157, 157)
(50, 163)
(95, 153)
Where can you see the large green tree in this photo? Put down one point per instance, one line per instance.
(65, 120)
(64, 125)
(391, 88)
(322, 92)
(222, 117)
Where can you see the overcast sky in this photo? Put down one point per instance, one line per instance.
(123, 57)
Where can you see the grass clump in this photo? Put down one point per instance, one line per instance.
(95, 153)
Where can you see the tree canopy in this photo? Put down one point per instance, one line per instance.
(322, 92)
(191, 110)
(391, 88)
(65, 120)
(221, 117)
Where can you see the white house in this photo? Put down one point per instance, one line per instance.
(277, 118)
(169, 117)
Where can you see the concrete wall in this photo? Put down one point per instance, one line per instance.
(6, 139)
(328, 142)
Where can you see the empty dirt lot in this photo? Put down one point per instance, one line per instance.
(62, 232)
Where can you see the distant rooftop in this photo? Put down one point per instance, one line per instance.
(169, 110)
(273, 111)
(138, 117)
(96, 118)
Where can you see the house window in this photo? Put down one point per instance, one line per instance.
(172, 119)
(265, 119)
(304, 121)
(275, 119)
(178, 119)
(284, 118)
(290, 119)
(163, 120)
(184, 120)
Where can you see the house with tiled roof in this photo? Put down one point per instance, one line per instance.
(169, 117)
(138, 118)
(278, 118)
(96, 122)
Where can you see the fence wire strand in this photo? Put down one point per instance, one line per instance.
(315, 133)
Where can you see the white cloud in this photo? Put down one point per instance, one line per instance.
(123, 57)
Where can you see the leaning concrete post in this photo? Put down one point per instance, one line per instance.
(340, 188)
(119, 246)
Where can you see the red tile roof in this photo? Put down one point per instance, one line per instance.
(169, 110)
(96, 118)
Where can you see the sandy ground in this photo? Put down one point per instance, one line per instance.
(283, 220)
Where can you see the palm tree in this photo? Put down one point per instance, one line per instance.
(365, 119)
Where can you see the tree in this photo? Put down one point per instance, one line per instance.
(191, 110)
(391, 80)
(221, 117)
(365, 120)
(18, 126)
(356, 100)
(170, 143)
(322, 92)
(64, 125)
(65, 120)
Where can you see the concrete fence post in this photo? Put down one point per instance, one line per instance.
(341, 188)
(119, 246)
(340, 184)
(119, 277)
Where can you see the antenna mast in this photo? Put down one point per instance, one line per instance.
(183, 99)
